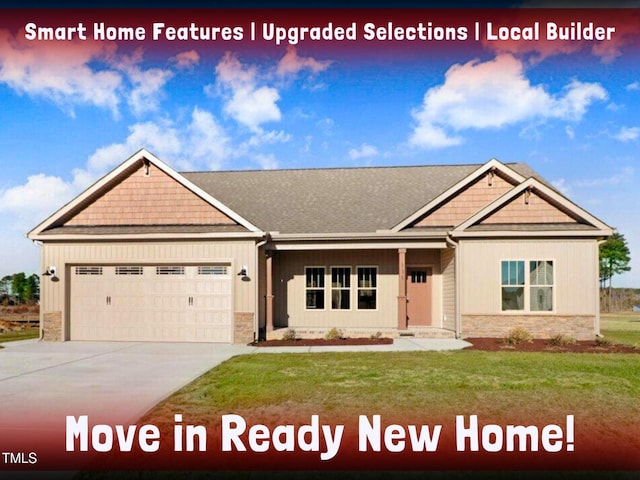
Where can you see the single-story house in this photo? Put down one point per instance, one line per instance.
(150, 254)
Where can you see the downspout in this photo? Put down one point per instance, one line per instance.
(454, 245)
(256, 318)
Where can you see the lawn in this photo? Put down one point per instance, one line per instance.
(621, 327)
(25, 334)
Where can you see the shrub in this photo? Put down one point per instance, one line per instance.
(516, 336)
(376, 336)
(334, 334)
(602, 342)
(562, 340)
(289, 335)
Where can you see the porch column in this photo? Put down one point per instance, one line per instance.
(402, 289)
(269, 294)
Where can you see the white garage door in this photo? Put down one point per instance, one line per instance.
(177, 303)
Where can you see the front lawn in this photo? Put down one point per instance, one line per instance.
(621, 328)
(25, 334)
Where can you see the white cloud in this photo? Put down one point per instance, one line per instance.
(627, 134)
(246, 101)
(292, 64)
(266, 161)
(493, 94)
(365, 151)
(570, 132)
(633, 86)
(61, 75)
(186, 59)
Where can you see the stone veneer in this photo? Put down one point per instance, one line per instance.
(52, 326)
(579, 327)
(243, 331)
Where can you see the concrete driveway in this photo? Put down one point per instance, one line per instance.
(43, 382)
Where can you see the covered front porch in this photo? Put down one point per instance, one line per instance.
(391, 289)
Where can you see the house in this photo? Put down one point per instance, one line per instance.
(150, 254)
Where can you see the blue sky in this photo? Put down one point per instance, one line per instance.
(71, 111)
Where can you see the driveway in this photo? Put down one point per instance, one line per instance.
(112, 382)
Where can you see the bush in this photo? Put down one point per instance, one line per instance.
(516, 336)
(334, 334)
(562, 340)
(376, 336)
(289, 335)
(602, 342)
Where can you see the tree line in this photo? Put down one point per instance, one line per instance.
(19, 289)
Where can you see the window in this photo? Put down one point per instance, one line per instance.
(541, 281)
(314, 288)
(126, 270)
(212, 270)
(513, 285)
(367, 288)
(169, 270)
(88, 270)
(532, 292)
(340, 288)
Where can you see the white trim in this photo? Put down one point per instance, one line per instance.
(141, 154)
(540, 187)
(491, 164)
(533, 233)
(356, 246)
(150, 236)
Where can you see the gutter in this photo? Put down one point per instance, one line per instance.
(256, 318)
(458, 320)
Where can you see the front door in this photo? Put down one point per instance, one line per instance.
(419, 295)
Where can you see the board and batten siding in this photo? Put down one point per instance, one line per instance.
(55, 295)
(290, 295)
(575, 274)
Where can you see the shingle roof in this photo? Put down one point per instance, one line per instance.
(335, 200)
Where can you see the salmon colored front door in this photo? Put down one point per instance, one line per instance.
(419, 295)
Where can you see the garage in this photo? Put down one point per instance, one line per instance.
(156, 303)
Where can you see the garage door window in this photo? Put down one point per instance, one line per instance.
(125, 270)
(88, 270)
(212, 270)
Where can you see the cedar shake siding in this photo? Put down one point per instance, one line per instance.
(149, 197)
(476, 196)
(528, 207)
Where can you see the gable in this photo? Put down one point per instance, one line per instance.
(148, 196)
(529, 207)
(466, 202)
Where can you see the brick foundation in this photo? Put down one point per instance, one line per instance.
(52, 326)
(579, 327)
(243, 330)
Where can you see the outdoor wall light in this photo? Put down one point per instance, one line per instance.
(51, 272)
(244, 271)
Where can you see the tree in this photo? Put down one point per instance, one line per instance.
(18, 282)
(614, 260)
(32, 289)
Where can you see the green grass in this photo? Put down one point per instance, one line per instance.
(274, 388)
(25, 334)
(621, 328)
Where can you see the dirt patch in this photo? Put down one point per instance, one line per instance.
(315, 342)
(542, 345)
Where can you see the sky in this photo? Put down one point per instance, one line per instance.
(72, 109)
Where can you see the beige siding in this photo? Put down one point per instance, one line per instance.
(152, 199)
(473, 198)
(575, 273)
(449, 289)
(534, 209)
(289, 287)
(55, 294)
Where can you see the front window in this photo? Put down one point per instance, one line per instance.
(367, 288)
(513, 285)
(340, 288)
(532, 291)
(314, 288)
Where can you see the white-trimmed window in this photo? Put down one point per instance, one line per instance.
(340, 288)
(129, 270)
(88, 270)
(541, 281)
(212, 270)
(527, 285)
(169, 270)
(367, 288)
(314, 288)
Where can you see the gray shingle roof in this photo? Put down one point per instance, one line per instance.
(335, 200)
